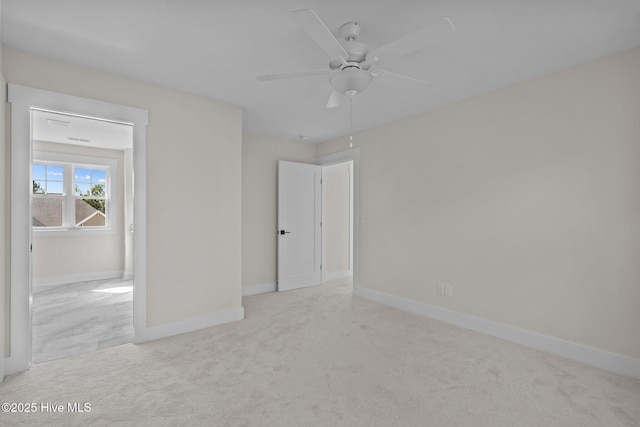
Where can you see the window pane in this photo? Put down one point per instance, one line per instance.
(39, 187)
(90, 182)
(83, 175)
(38, 172)
(48, 179)
(55, 187)
(83, 189)
(90, 213)
(98, 177)
(55, 173)
(47, 211)
(97, 190)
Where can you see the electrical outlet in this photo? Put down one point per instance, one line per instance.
(440, 288)
(448, 290)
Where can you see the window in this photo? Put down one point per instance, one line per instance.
(48, 195)
(70, 195)
(91, 197)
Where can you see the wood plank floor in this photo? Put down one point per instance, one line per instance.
(81, 317)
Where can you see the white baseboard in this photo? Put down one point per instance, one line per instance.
(591, 356)
(127, 275)
(169, 329)
(80, 277)
(337, 275)
(258, 288)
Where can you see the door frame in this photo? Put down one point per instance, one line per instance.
(352, 154)
(21, 100)
(324, 217)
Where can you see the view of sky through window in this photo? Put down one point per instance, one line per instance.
(48, 179)
(90, 182)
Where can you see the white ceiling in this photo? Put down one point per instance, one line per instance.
(217, 47)
(76, 130)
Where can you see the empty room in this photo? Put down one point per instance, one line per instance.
(307, 213)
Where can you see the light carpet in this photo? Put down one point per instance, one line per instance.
(323, 357)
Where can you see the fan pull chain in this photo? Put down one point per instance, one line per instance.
(351, 121)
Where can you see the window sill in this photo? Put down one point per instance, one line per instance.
(76, 232)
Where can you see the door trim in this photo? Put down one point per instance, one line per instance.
(341, 157)
(21, 99)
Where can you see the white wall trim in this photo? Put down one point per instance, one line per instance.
(258, 288)
(189, 325)
(591, 356)
(79, 277)
(337, 275)
(323, 221)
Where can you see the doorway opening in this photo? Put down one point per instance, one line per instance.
(23, 101)
(302, 250)
(82, 218)
(337, 220)
(352, 158)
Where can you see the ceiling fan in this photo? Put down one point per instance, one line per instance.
(353, 64)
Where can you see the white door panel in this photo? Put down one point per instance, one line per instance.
(299, 231)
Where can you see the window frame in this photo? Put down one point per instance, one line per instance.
(70, 163)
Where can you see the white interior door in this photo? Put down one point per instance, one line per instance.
(299, 225)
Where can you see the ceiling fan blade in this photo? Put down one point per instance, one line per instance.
(402, 76)
(294, 74)
(335, 99)
(415, 41)
(318, 31)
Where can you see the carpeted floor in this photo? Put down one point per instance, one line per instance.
(323, 357)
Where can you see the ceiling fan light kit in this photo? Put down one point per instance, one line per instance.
(350, 81)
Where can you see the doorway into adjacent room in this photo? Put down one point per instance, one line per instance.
(337, 206)
(82, 219)
(74, 201)
(317, 233)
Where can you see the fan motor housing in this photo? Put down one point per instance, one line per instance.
(357, 51)
(350, 31)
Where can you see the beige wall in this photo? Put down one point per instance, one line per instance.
(260, 155)
(193, 184)
(57, 257)
(526, 200)
(337, 214)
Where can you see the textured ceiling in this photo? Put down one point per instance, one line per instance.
(217, 48)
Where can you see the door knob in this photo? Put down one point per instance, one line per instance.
(284, 232)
